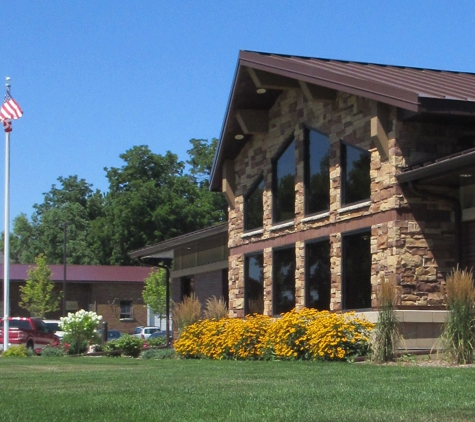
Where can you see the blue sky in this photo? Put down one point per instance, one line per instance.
(95, 78)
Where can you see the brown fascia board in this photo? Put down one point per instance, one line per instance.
(438, 168)
(311, 74)
(171, 244)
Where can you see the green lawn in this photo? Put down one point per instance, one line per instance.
(122, 389)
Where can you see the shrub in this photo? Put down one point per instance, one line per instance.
(306, 334)
(158, 354)
(458, 335)
(156, 342)
(79, 329)
(387, 336)
(17, 352)
(215, 308)
(129, 345)
(50, 351)
(186, 312)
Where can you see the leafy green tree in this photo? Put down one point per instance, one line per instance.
(155, 291)
(37, 295)
(76, 203)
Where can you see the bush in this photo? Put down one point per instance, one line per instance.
(17, 352)
(50, 351)
(79, 329)
(305, 334)
(387, 336)
(155, 342)
(215, 308)
(158, 354)
(186, 313)
(458, 335)
(129, 345)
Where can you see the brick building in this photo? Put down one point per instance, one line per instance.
(111, 291)
(337, 173)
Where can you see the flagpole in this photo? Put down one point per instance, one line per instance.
(6, 240)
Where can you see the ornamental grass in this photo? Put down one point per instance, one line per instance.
(458, 335)
(306, 334)
(387, 334)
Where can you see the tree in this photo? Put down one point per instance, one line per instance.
(76, 203)
(155, 291)
(37, 295)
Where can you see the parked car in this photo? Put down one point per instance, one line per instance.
(145, 332)
(53, 325)
(111, 334)
(163, 334)
(29, 332)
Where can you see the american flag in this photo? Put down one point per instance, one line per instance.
(10, 110)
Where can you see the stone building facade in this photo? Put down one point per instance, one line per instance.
(417, 219)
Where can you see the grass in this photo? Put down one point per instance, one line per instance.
(105, 389)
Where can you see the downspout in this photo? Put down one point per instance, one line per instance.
(457, 211)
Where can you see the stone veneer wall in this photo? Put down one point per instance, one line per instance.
(411, 238)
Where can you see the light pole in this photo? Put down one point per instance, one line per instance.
(64, 225)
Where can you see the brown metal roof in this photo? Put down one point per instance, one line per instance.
(84, 273)
(166, 248)
(417, 90)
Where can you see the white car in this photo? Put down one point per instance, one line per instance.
(145, 332)
(53, 325)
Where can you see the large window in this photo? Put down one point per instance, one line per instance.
(283, 280)
(253, 284)
(253, 207)
(356, 270)
(317, 172)
(356, 182)
(283, 189)
(317, 275)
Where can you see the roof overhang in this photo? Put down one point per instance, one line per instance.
(419, 93)
(165, 250)
(452, 171)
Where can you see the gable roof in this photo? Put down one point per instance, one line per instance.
(416, 90)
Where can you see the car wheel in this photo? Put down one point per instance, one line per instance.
(30, 345)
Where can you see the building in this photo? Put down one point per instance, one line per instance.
(200, 263)
(339, 173)
(111, 291)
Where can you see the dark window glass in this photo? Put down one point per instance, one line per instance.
(317, 172)
(283, 264)
(318, 282)
(254, 284)
(125, 309)
(284, 185)
(356, 271)
(253, 207)
(355, 174)
(186, 287)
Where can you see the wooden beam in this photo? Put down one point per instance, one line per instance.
(253, 121)
(317, 93)
(271, 81)
(228, 182)
(380, 128)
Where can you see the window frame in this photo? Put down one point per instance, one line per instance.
(291, 247)
(127, 316)
(251, 190)
(307, 171)
(247, 287)
(344, 270)
(344, 173)
(308, 244)
(275, 196)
